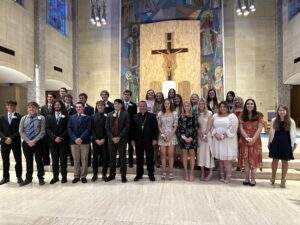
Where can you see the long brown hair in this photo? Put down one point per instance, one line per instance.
(287, 119)
(171, 106)
(255, 114)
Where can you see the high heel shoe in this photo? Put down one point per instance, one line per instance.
(228, 179)
(282, 184)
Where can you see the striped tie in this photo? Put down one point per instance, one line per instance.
(31, 128)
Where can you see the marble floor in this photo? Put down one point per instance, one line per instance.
(161, 202)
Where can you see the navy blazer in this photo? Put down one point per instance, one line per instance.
(80, 128)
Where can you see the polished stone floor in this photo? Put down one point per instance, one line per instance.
(161, 202)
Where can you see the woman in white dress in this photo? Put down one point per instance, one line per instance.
(167, 123)
(224, 142)
(204, 155)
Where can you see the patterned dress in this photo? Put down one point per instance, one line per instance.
(187, 127)
(251, 154)
(167, 122)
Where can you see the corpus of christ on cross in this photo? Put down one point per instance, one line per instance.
(169, 56)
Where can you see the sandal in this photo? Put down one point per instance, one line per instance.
(209, 176)
(222, 177)
(163, 176)
(171, 176)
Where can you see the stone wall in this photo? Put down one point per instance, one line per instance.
(250, 57)
(17, 33)
(99, 52)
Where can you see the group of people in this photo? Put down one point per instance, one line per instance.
(203, 132)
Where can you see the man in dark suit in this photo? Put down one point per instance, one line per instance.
(10, 140)
(47, 110)
(88, 110)
(99, 141)
(57, 130)
(109, 106)
(117, 128)
(131, 108)
(68, 101)
(145, 136)
(62, 93)
(79, 130)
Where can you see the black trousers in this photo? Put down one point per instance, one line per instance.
(149, 150)
(37, 152)
(5, 152)
(100, 154)
(130, 153)
(113, 150)
(46, 151)
(59, 156)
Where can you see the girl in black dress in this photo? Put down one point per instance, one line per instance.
(187, 136)
(282, 142)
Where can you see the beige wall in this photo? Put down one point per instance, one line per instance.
(99, 52)
(250, 54)
(291, 48)
(17, 33)
(59, 53)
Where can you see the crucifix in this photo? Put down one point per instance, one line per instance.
(169, 56)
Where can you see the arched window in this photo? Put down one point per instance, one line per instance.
(57, 15)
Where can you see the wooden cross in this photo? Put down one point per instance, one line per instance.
(169, 55)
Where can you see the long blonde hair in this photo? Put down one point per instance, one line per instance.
(183, 109)
(202, 100)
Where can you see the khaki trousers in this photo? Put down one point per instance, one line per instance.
(80, 153)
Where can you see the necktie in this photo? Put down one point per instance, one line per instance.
(9, 118)
(126, 105)
(31, 128)
(57, 118)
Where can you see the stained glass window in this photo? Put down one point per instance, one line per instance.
(57, 15)
(294, 8)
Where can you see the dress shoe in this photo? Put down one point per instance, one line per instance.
(41, 182)
(84, 180)
(54, 180)
(252, 183)
(94, 178)
(4, 181)
(151, 177)
(64, 180)
(124, 179)
(75, 180)
(246, 182)
(20, 180)
(104, 177)
(137, 178)
(25, 182)
(110, 178)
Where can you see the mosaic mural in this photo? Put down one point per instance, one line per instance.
(209, 12)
